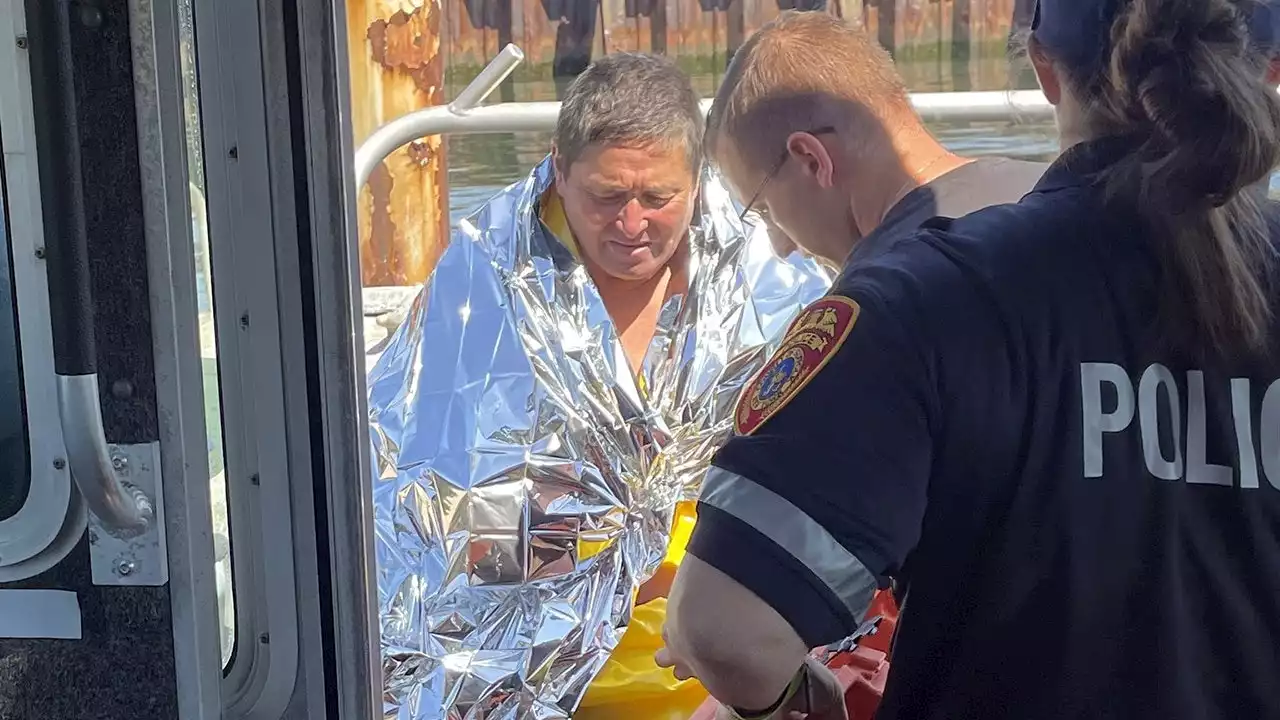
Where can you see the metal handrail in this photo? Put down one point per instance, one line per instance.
(122, 509)
(465, 115)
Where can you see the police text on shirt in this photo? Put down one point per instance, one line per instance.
(1155, 419)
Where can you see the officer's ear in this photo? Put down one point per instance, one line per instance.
(812, 156)
(1046, 74)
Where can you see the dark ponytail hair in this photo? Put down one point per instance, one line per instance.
(1181, 80)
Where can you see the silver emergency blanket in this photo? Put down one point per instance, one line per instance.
(524, 480)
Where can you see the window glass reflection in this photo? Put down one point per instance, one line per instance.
(15, 471)
(208, 332)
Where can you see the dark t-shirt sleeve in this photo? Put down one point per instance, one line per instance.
(823, 500)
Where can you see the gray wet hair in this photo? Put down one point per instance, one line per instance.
(630, 100)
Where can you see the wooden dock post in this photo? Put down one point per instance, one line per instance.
(887, 18)
(397, 66)
(961, 45)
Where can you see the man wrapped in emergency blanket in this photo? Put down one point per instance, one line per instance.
(541, 421)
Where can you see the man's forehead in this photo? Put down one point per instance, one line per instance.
(651, 168)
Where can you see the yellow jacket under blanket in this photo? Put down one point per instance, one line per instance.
(632, 686)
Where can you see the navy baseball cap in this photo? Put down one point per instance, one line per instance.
(1075, 32)
(1078, 32)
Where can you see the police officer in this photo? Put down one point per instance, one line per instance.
(1058, 422)
(812, 127)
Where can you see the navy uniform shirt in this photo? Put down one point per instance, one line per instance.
(1088, 523)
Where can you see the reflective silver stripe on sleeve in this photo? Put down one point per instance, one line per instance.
(791, 529)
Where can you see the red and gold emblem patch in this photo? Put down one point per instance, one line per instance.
(810, 343)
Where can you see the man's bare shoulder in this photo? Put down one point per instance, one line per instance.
(985, 182)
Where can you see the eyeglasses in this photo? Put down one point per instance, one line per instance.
(777, 168)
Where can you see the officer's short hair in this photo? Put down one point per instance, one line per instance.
(801, 71)
(629, 99)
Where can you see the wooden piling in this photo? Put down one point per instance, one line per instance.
(887, 25)
(961, 45)
(397, 67)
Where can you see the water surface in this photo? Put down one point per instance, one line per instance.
(481, 165)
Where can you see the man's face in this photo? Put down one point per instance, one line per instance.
(800, 209)
(629, 208)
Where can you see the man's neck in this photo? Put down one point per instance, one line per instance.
(918, 159)
(634, 305)
(620, 294)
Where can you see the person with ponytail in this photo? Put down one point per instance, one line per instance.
(1055, 423)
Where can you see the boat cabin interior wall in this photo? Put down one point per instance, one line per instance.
(83, 104)
(121, 622)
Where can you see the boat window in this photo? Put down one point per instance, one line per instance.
(15, 470)
(208, 334)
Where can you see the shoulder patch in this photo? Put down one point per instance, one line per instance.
(810, 342)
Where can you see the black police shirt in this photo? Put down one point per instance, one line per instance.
(1088, 522)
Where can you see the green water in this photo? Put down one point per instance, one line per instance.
(480, 165)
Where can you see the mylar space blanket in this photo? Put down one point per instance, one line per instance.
(524, 478)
